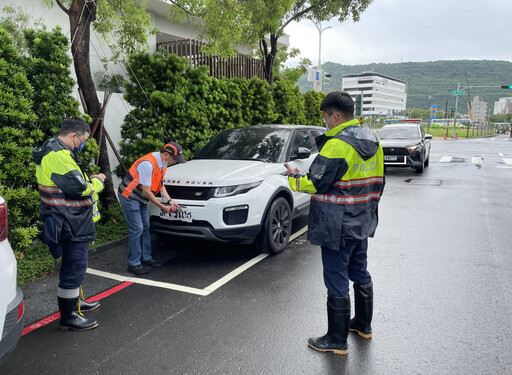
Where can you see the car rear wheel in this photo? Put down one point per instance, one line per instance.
(277, 226)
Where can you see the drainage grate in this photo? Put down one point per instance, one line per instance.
(413, 181)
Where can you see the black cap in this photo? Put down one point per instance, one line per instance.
(175, 150)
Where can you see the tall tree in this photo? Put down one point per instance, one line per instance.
(124, 25)
(229, 24)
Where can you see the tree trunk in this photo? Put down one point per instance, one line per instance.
(81, 15)
(269, 57)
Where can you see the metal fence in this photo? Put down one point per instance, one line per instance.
(239, 66)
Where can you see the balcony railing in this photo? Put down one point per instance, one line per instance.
(239, 66)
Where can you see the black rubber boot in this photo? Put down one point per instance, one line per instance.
(70, 319)
(338, 317)
(87, 306)
(363, 302)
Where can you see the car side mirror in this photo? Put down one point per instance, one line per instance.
(303, 153)
(428, 136)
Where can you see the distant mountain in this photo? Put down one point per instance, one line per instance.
(432, 82)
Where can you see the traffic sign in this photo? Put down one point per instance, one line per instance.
(457, 92)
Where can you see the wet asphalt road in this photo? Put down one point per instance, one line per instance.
(441, 263)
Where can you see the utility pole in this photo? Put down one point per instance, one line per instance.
(469, 107)
(446, 118)
(455, 114)
(318, 85)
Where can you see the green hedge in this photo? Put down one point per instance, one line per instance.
(175, 102)
(35, 97)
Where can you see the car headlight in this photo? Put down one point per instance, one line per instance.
(227, 191)
(415, 147)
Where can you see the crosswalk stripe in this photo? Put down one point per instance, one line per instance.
(445, 159)
(477, 160)
(507, 160)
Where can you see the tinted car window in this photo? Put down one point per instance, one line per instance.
(314, 134)
(397, 132)
(265, 144)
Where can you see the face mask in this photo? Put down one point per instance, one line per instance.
(79, 148)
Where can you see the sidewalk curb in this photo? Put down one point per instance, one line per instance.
(108, 246)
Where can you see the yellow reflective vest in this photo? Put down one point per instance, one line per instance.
(345, 181)
(67, 194)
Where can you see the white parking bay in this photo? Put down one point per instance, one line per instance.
(187, 289)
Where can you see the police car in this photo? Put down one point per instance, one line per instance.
(11, 296)
(235, 189)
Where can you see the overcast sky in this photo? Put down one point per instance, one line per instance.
(393, 31)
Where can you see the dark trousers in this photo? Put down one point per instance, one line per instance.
(74, 264)
(347, 263)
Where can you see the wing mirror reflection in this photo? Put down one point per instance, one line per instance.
(303, 153)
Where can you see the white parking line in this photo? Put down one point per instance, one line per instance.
(477, 160)
(507, 160)
(181, 288)
(217, 284)
(158, 284)
(445, 159)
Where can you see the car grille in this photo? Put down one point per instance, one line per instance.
(190, 193)
(395, 151)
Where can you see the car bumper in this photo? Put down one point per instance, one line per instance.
(241, 235)
(13, 327)
(406, 161)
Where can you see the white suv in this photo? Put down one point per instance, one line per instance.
(11, 296)
(235, 189)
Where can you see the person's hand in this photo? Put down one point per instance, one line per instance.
(174, 206)
(289, 169)
(101, 176)
(166, 209)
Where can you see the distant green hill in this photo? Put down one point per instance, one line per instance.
(432, 82)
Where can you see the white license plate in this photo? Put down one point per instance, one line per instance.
(390, 158)
(178, 215)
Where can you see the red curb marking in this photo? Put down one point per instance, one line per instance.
(56, 316)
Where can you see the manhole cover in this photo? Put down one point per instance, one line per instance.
(413, 181)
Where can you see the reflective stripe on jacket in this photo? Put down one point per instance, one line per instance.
(67, 194)
(130, 186)
(345, 181)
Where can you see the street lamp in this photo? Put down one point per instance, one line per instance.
(318, 85)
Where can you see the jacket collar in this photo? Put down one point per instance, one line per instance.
(341, 127)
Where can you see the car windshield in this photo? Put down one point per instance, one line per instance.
(397, 132)
(253, 143)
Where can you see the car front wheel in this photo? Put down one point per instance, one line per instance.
(277, 226)
(421, 168)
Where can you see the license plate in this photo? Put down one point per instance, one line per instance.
(390, 158)
(178, 215)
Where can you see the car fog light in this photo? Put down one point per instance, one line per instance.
(235, 215)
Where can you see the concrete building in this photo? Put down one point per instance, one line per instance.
(383, 96)
(503, 106)
(478, 109)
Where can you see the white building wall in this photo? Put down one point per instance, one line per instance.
(382, 96)
(479, 109)
(503, 106)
